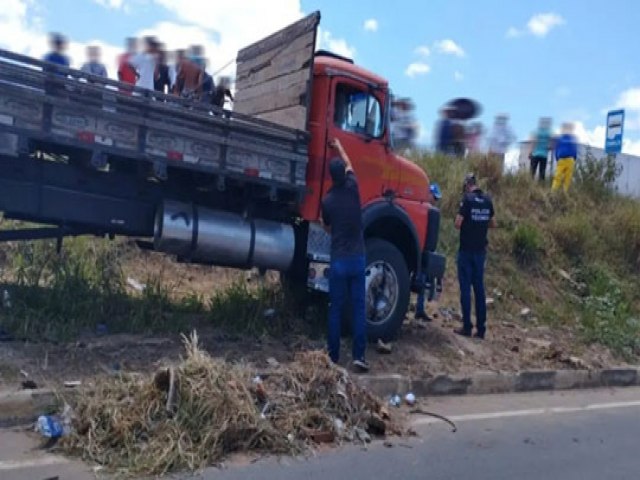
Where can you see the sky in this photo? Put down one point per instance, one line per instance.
(568, 59)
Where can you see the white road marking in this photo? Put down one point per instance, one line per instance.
(529, 412)
(32, 462)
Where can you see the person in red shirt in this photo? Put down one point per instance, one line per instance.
(126, 72)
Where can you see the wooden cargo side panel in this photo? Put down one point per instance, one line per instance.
(274, 75)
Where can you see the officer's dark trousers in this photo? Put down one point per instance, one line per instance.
(471, 274)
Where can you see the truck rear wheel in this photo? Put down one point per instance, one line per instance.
(387, 289)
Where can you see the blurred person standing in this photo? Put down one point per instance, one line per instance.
(161, 79)
(473, 138)
(189, 77)
(566, 153)
(145, 64)
(475, 216)
(421, 279)
(221, 92)
(500, 139)
(342, 217)
(126, 72)
(58, 46)
(445, 132)
(540, 147)
(93, 66)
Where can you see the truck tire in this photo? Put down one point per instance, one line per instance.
(387, 289)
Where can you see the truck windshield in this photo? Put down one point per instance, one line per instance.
(358, 112)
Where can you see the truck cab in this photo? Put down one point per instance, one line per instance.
(353, 105)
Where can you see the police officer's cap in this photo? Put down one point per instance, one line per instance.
(469, 179)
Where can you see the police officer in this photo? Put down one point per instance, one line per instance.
(475, 217)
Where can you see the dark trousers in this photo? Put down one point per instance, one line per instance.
(539, 163)
(471, 274)
(346, 277)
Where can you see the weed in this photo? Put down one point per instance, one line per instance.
(527, 244)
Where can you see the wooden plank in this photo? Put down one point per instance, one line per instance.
(279, 59)
(282, 37)
(293, 117)
(292, 84)
(296, 62)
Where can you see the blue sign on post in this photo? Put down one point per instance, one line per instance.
(615, 128)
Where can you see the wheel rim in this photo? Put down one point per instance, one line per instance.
(382, 292)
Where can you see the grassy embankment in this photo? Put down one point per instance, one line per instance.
(591, 234)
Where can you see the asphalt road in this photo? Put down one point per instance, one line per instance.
(581, 435)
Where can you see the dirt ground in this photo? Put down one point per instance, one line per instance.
(424, 349)
(514, 341)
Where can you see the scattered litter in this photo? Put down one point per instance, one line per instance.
(525, 312)
(497, 293)
(6, 299)
(135, 284)
(395, 401)
(72, 383)
(24, 373)
(49, 426)
(536, 342)
(564, 274)
(419, 411)
(490, 302)
(269, 313)
(575, 362)
(123, 422)
(101, 329)
(29, 385)
(383, 348)
(388, 444)
(362, 435)
(272, 362)
(410, 399)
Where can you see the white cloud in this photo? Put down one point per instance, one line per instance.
(593, 137)
(113, 4)
(327, 41)
(458, 77)
(371, 25)
(423, 51)
(513, 32)
(449, 47)
(541, 24)
(417, 68)
(538, 25)
(629, 99)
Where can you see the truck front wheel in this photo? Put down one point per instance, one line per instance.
(387, 289)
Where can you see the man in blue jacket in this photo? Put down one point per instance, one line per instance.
(566, 153)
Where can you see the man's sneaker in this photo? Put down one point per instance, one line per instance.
(479, 335)
(462, 332)
(422, 316)
(361, 366)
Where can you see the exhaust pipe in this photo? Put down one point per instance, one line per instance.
(221, 238)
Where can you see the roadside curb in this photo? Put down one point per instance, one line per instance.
(22, 406)
(487, 382)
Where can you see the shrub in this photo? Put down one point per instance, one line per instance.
(573, 233)
(527, 244)
(597, 176)
(487, 167)
(606, 314)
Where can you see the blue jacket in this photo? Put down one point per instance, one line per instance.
(566, 147)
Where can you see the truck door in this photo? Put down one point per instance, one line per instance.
(357, 120)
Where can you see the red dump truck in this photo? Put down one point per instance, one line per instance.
(83, 155)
